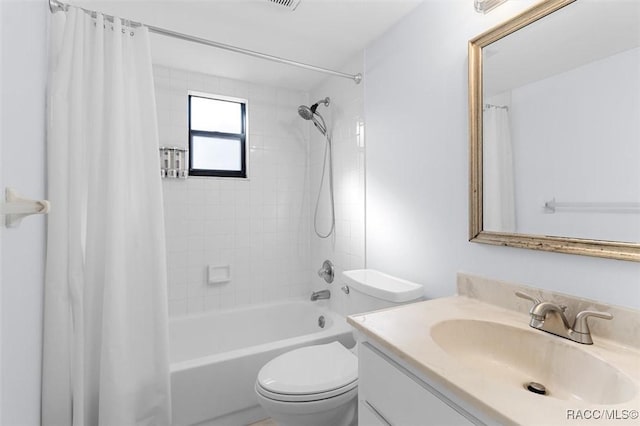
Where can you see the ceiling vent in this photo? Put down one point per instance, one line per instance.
(289, 4)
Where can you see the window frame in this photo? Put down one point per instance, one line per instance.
(241, 137)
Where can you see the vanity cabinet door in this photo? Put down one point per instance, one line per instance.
(368, 416)
(397, 396)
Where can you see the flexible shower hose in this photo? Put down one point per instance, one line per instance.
(328, 149)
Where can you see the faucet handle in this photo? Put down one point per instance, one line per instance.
(522, 295)
(327, 271)
(580, 325)
(536, 300)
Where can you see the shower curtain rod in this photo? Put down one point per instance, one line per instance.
(57, 6)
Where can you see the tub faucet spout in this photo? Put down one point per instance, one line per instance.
(322, 294)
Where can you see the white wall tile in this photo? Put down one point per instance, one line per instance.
(346, 247)
(253, 225)
(177, 307)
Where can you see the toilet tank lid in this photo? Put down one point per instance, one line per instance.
(386, 287)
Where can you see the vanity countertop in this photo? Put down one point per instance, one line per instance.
(406, 332)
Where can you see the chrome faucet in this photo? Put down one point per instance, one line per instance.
(322, 294)
(550, 317)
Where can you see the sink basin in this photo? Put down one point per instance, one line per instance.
(515, 356)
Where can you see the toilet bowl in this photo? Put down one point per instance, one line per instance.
(311, 386)
(318, 385)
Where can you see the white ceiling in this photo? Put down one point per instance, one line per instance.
(578, 34)
(325, 33)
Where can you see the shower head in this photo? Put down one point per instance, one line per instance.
(309, 113)
(305, 112)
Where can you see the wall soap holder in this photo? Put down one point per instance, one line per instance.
(15, 208)
(173, 162)
(219, 274)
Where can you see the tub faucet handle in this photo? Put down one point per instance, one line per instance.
(327, 271)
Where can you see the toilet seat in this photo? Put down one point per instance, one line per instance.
(308, 374)
(282, 397)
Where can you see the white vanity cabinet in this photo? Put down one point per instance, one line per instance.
(389, 394)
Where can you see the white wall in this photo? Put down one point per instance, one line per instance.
(258, 226)
(417, 166)
(23, 26)
(345, 119)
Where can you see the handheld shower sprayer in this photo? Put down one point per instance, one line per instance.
(310, 113)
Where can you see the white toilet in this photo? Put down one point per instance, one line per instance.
(318, 385)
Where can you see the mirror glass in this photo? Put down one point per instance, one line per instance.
(560, 123)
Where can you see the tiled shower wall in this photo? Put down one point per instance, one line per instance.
(346, 247)
(258, 226)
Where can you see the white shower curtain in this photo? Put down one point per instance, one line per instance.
(498, 207)
(105, 338)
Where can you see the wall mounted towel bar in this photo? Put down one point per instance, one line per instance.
(15, 208)
(600, 207)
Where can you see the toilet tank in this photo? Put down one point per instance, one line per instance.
(370, 290)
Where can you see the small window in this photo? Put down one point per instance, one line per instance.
(217, 136)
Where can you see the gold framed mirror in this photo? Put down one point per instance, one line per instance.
(509, 207)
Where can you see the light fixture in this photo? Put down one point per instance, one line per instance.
(485, 6)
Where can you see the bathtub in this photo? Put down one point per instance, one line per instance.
(215, 357)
